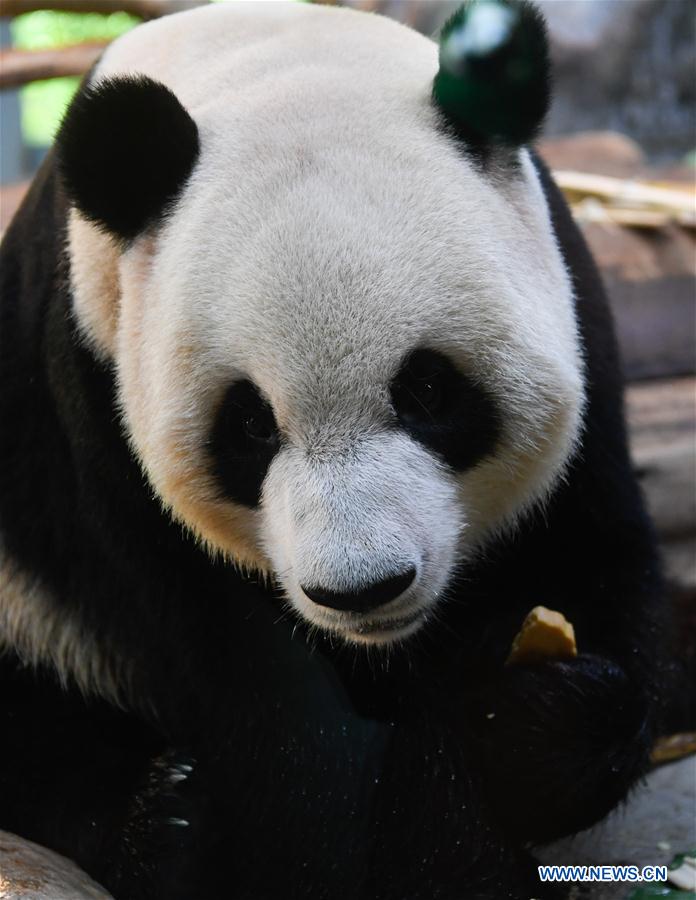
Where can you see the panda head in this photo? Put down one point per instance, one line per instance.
(342, 330)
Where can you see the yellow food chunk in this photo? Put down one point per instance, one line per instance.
(545, 634)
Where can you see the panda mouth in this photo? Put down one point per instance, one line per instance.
(384, 629)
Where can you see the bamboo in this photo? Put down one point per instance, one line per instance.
(626, 192)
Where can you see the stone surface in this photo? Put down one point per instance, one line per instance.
(30, 872)
(657, 823)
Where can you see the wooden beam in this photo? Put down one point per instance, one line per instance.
(629, 194)
(144, 9)
(18, 67)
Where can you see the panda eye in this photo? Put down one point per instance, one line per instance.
(248, 418)
(420, 388)
(445, 410)
(261, 428)
(243, 442)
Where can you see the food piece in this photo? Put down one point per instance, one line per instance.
(545, 634)
(673, 746)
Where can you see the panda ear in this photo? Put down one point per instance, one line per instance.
(124, 150)
(494, 75)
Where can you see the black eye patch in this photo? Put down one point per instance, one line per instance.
(243, 442)
(444, 410)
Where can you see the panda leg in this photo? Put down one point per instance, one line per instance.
(435, 836)
(75, 773)
(558, 744)
(500, 874)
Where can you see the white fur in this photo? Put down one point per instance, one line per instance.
(94, 283)
(328, 229)
(41, 634)
(353, 512)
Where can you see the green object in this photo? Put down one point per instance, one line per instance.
(45, 28)
(42, 106)
(680, 857)
(44, 102)
(493, 76)
(660, 889)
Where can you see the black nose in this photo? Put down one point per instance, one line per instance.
(363, 600)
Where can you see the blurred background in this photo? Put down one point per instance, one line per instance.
(621, 139)
(625, 66)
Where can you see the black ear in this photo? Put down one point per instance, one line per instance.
(494, 76)
(124, 150)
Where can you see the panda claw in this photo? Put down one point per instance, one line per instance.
(178, 772)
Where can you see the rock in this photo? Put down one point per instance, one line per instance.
(30, 872)
(656, 823)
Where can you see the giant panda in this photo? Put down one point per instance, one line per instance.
(308, 394)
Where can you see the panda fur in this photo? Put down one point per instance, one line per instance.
(309, 392)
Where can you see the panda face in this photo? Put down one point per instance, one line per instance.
(337, 503)
(348, 355)
(352, 402)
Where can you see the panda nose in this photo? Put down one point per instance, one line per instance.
(365, 599)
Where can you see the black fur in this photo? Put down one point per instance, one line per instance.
(498, 94)
(445, 410)
(243, 442)
(434, 402)
(313, 774)
(125, 149)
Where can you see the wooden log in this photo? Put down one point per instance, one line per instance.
(650, 282)
(144, 9)
(594, 152)
(626, 192)
(662, 424)
(18, 67)
(588, 210)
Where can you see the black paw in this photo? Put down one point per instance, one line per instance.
(560, 743)
(157, 840)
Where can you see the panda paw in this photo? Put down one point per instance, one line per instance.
(157, 839)
(561, 743)
(162, 802)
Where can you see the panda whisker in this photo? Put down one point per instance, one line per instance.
(285, 614)
(426, 410)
